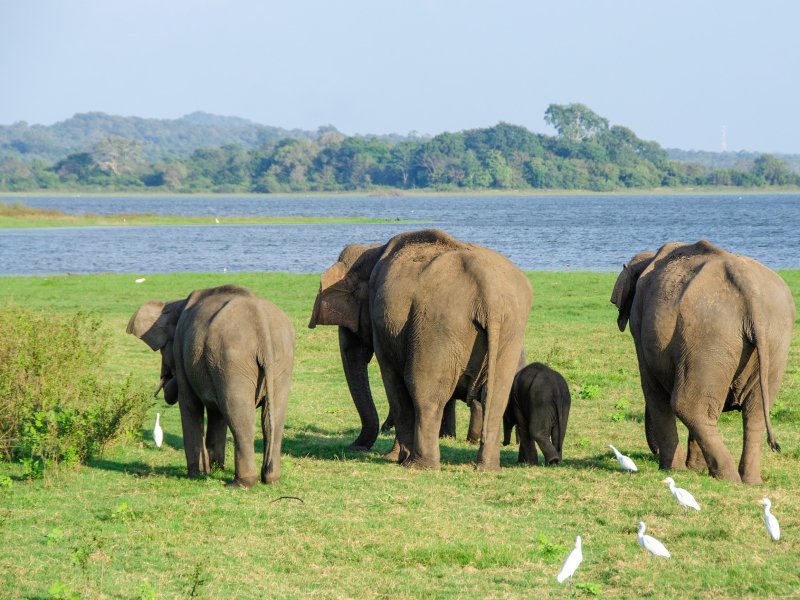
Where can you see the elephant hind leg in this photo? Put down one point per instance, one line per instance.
(754, 427)
(692, 403)
(236, 396)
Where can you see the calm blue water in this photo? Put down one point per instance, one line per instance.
(579, 233)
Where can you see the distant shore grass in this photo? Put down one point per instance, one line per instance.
(416, 192)
(20, 216)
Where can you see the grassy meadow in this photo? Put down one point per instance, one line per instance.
(131, 525)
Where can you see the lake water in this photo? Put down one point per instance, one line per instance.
(556, 233)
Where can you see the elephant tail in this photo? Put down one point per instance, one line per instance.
(763, 380)
(562, 410)
(492, 347)
(267, 410)
(757, 334)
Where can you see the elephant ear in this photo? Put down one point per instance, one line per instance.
(154, 324)
(622, 296)
(339, 299)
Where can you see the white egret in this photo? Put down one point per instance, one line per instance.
(624, 461)
(651, 544)
(571, 563)
(158, 433)
(773, 528)
(140, 280)
(684, 498)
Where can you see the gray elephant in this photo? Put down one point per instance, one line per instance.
(444, 320)
(539, 407)
(224, 351)
(712, 333)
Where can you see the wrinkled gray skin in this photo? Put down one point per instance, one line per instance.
(539, 406)
(224, 351)
(443, 318)
(712, 333)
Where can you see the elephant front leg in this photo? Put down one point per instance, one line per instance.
(192, 410)
(448, 428)
(402, 411)
(216, 434)
(662, 426)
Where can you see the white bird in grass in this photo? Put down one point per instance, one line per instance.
(773, 528)
(651, 544)
(684, 498)
(571, 563)
(158, 433)
(624, 461)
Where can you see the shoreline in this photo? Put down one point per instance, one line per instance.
(397, 193)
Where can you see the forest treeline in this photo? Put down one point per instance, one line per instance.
(587, 153)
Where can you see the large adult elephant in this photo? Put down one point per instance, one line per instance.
(224, 351)
(712, 333)
(445, 319)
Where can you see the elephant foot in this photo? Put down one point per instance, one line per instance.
(416, 462)
(270, 477)
(358, 448)
(727, 475)
(486, 468)
(752, 480)
(245, 483)
(554, 461)
(696, 463)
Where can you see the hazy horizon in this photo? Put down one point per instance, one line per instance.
(686, 75)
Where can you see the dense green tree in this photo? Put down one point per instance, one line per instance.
(772, 171)
(575, 122)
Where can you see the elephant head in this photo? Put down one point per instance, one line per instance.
(343, 300)
(625, 287)
(154, 323)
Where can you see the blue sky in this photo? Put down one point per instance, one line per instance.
(675, 72)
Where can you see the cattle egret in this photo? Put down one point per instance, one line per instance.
(158, 433)
(140, 280)
(651, 544)
(571, 562)
(684, 498)
(624, 461)
(770, 521)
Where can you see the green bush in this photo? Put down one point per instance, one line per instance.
(54, 407)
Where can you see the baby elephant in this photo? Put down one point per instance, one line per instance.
(224, 351)
(539, 406)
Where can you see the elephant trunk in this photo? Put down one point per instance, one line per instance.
(355, 358)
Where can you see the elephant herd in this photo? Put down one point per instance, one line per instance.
(446, 321)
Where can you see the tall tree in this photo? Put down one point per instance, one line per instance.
(575, 122)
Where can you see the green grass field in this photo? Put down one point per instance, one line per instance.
(131, 525)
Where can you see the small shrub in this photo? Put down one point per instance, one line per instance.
(589, 392)
(53, 406)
